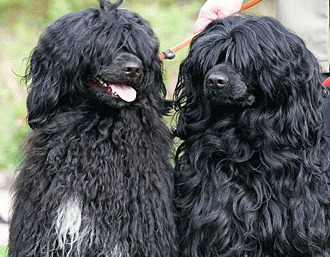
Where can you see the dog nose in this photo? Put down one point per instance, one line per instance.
(132, 69)
(218, 80)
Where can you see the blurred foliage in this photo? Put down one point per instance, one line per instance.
(3, 251)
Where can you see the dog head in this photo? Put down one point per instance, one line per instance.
(106, 56)
(248, 66)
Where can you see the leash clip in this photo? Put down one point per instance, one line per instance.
(169, 54)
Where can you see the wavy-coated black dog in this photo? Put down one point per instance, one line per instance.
(253, 168)
(96, 179)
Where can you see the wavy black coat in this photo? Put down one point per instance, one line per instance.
(252, 176)
(96, 178)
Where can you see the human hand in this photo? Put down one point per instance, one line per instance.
(215, 9)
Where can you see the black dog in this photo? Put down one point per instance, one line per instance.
(253, 168)
(96, 179)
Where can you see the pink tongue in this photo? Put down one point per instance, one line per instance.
(126, 93)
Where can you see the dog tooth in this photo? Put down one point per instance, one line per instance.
(101, 81)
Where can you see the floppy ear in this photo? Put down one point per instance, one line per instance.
(155, 86)
(297, 93)
(192, 108)
(54, 64)
(44, 90)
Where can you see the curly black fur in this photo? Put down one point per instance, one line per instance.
(253, 168)
(96, 179)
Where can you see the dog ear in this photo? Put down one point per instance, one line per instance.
(191, 107)
(44, 91)
(53, 65)
(58, 59)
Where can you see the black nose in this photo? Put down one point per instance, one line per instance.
(132, 69)
(217, 80)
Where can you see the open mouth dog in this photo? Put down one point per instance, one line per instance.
(117, 83)
(96, 179)
(122, 91)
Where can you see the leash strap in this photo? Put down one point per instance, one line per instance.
(326, 83)
(170, 53)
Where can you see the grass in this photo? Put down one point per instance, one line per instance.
(3, 251)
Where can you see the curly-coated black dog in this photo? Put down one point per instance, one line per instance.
(96, 179)
(253, 168)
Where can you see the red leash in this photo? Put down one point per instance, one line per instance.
(169, 53)
(326, 83)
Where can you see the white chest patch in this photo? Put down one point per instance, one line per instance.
(72, 234)
(68, 224)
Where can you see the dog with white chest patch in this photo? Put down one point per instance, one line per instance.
(96, 179)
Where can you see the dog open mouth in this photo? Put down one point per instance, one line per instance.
(122, 91)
